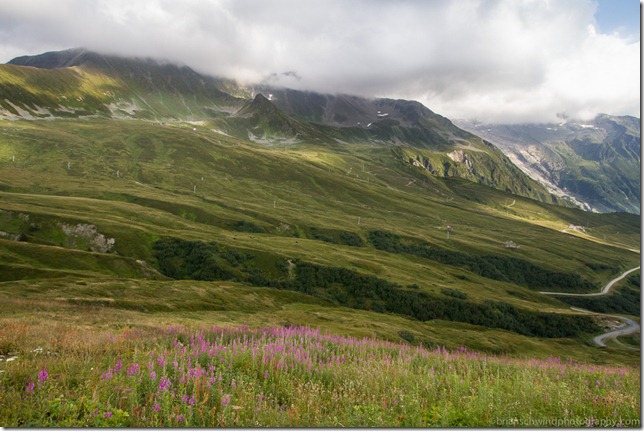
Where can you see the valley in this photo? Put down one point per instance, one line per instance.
(142, 217)
(139, 182)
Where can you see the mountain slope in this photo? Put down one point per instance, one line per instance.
(597, 163)
(423, 139)
(118, 87)
(104, 199)
(139, 88)
(261, 121)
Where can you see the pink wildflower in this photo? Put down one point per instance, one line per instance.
(134, 369)
(225, 400)
(43, 376)
(30, 388)
(164, 384)
(157, 407)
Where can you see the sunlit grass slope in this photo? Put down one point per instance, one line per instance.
(138, 182)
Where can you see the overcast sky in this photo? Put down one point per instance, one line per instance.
(492, 60)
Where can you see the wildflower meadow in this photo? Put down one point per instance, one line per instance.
(296, 377)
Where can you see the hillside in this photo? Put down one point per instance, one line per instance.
(79, 83)
(596, 163)
(116, 194)
(294, 376)
(171, 255)
(382, 228)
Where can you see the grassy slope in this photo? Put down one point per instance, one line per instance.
(278, 376)
(119, 87)
(127, 88)
(136, 182)
(111, 303)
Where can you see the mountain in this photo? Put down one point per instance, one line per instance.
(276, 207)
(422, 139)
(261, 121)
(80, 83)
(595, 163)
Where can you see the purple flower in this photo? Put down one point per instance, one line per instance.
(107, 415)
(153, 375)
(164, 384)
(157, 407)
(30, 388)
(225, 400)
(134, 369)
(180, 418)
(107, 375)
(43, 376)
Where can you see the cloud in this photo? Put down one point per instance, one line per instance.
(494, 60)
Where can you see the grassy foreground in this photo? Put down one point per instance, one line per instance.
(84, 336)
(292, 376)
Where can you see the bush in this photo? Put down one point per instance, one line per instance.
(454, 293)
(407, 336)
(247, 226)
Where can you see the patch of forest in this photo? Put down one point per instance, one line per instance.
(496, 267)
(209, 261)
(625, 300)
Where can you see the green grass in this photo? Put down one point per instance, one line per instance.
(82, 331)
(291, 376)
(135, 181)
(110, 303)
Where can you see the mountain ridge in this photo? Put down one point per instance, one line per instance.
(375, 223)
(114, 86)
(596, 163)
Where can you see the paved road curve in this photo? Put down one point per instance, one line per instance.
(629, 325)
(604, 291)
(627, 328)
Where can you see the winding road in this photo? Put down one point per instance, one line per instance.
(604, 291)
(629, 326)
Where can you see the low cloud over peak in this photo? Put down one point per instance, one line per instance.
(494, 60)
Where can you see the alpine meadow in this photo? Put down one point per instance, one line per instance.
(179, 250)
